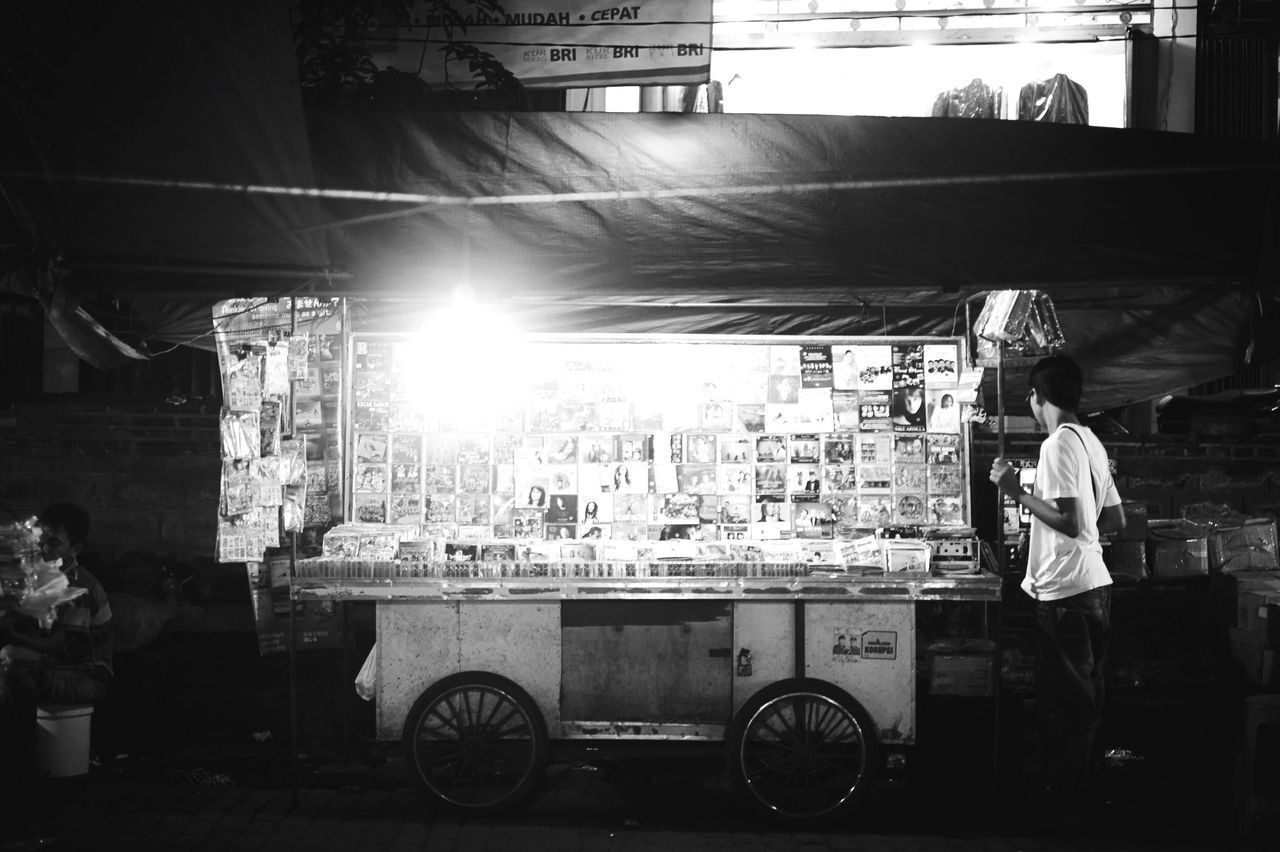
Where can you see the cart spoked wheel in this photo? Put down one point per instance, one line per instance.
(803, 750)
(476, 742)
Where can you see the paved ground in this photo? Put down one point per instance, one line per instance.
(582, 805)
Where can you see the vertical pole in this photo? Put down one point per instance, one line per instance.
(1000, 549)
(344, 675)
(798, 650)
(293, 674)
(293, 620)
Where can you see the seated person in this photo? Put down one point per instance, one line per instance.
(68, 663)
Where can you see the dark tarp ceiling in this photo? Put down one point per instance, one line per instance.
(1156, 247)
(1151, 244)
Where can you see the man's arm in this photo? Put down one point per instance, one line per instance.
(51, 642)
(1111, 519)
(1061, 515)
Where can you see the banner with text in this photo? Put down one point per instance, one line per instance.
(570, 44)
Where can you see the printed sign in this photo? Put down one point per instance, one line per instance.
(570, 43)
(850, 645)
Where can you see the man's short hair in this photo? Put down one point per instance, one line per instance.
(69, 518)
(1058, 380)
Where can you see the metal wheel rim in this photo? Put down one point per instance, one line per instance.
(802, 755)
(474, 746)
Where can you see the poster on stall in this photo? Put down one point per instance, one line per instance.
(648, 439)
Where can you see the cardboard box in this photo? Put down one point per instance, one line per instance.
(1258, 661)
(1251, 546)
(970, 675)
(1135, 521)
(1255, 581)
(1177, 549)
(1253, 611)
(1126, 560)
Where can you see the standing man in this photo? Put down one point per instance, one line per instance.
(1073, 501)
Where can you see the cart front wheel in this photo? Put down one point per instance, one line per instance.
(476, 742)
(803, 750)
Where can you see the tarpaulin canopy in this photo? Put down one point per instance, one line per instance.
(195, 174)
(1154, 246)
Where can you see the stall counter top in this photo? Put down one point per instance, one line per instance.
(816, 585)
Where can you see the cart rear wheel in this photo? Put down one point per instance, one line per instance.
(802, 750)
(476, 742)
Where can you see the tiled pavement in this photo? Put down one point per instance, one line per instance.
(579, 807)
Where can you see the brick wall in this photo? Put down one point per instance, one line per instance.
(146, 472)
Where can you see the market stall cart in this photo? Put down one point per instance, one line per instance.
(804, 677)
(672, 538)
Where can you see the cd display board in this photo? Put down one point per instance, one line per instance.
(656, 437)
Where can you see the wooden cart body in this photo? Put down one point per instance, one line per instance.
(653, 658)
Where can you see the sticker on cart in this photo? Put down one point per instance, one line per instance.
(845, 648)
(880, 645)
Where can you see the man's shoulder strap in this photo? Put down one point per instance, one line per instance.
(1089, 461)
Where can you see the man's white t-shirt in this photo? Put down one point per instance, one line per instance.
(1071, 465)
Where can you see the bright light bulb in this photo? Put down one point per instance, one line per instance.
(465, 363)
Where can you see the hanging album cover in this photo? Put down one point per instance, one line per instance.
(501, 507)
(696, 478)
(874, 478)
(946, 510)
(528, 523)
(804, 479)
(909, 478)
(844, 411)
(371, 448)
(750, 416)
(815, 366)
(942, 413)
(405, 509)
(844, 368)
(943, 449)
(875, 367)
(734, 479)
(771, 478)
(371, 478)
(369, 508)
(734, 509)
(945, 479)
(940, 365)
(812, 520)
(406, 449)
(909, 449)
(875, 510)
(873, 411)
(839, 478)
(439, 509)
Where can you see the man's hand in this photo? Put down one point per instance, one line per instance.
(1005, 477)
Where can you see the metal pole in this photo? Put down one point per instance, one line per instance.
(293, 621)
(1000, 548)
(293, 674)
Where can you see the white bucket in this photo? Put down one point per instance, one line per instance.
(62, 741)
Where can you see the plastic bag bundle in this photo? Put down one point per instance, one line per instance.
(49, 589)
(367, 679)
(1024, 320)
